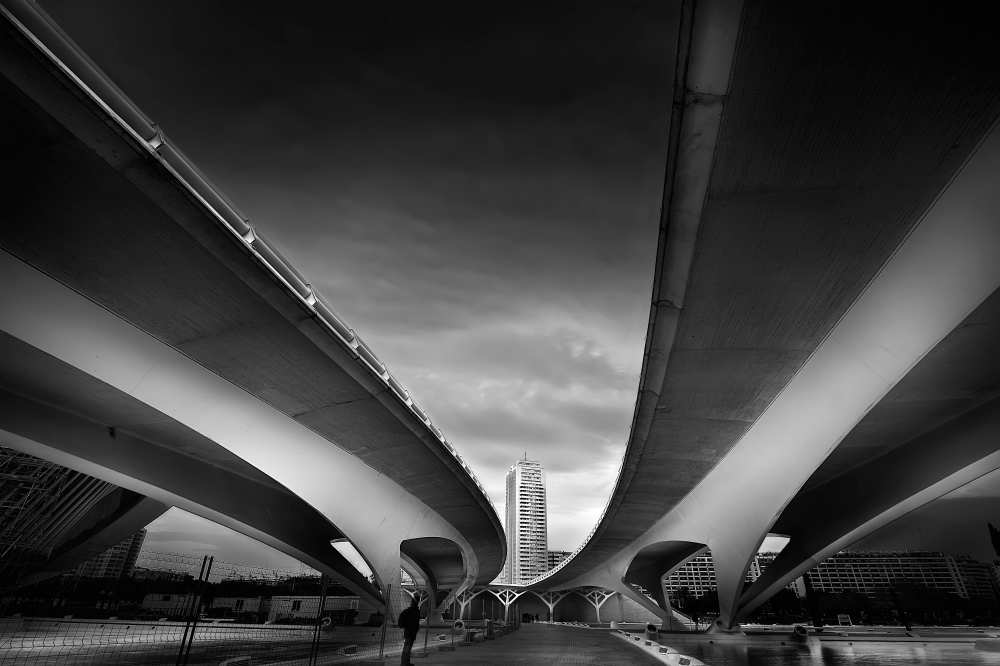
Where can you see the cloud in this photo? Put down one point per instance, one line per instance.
(478, 199)
(178, 532)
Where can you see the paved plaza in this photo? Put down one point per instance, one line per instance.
(545, 644)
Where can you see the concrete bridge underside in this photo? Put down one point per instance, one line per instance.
(150, 345)
(824, 302)
(126, 442)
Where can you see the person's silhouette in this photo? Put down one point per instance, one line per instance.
(409, 621)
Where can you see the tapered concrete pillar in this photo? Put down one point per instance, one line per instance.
(650, 605)
(550, 599)
(390, 583)
(731, 564)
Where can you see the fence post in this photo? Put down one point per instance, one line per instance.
(314, 648)
(197, 608)
(188, 639)
(187, 616)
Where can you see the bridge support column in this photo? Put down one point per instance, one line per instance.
(626, 590)
(731, 558)
(507, 597)
(435, 613)
(597, 596)
(464, 598)
(387, 571)
(435, 610)
(550, 599)
(428, 596)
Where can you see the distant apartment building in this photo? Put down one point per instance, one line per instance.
(168, 604)
(875, 573)
(554, 557)
(527, 529)
(868, 573)
(115, 562)
(698, 575)
(995, 572)
(977, 577)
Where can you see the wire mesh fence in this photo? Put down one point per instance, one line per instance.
(120, 642)
(132, 605)
(183, 618)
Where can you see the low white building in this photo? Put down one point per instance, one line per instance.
(167, 604)
(304, 608)
(237, 605)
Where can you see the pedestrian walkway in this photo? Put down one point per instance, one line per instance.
(545, 645)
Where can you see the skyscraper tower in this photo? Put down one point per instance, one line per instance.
(527, 527)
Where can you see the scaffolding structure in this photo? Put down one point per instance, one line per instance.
(40, 502)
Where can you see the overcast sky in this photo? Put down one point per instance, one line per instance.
(479, 199)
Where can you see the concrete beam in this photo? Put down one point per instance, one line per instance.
(376, 513)
(171, 479)
(848, 508)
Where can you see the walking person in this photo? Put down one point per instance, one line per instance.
(409, 621)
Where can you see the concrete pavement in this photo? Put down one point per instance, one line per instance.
(546, 645)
